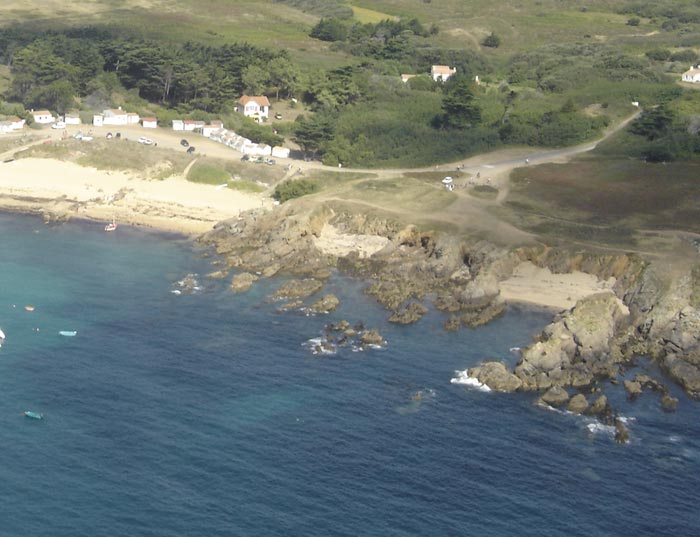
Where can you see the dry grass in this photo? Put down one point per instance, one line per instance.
(606, 201)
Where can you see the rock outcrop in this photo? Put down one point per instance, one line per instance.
(646, 311)
(496, 376)
(577, 348)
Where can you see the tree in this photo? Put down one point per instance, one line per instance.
(330, 29)
(491, 41)
(654, 123)
(256, 79)
(284, 76)
(458, 106)
(311, 133)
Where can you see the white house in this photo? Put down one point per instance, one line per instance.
(254, 149)
(691, 75)
(178, 125)
(72, 118)
(132, 118)
(16, 123)
(193, 124)
(114, 116)
(442, 72)
(5, 127)
(149, 122)
(257, 107)
(98, 120)
(280, 152)
(208, 130)
(43, 116)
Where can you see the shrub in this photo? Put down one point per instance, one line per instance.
(685, 56)
(294, 189)
(659, 54)
(492, 41)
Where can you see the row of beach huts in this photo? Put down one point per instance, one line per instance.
(255, 107)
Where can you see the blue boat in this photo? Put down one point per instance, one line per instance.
(68, 333)
(33, 415)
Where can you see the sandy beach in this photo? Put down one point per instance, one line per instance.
(534, 285)
(61, 189)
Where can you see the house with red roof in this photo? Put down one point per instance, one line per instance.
(256, 107)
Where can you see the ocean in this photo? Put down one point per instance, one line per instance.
(207, 414)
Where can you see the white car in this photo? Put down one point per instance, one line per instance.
(58, 125)
(145, 141)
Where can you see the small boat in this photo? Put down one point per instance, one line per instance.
(33, 415)
(111, 226)
(29, 308)
(68, 333)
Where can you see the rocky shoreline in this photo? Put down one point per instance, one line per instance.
(644, 311)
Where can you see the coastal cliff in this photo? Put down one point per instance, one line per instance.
(638, 310)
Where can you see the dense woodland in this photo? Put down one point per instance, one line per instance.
(361, 113)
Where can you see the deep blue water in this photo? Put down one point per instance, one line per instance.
(204, 415)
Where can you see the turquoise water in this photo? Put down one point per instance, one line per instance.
(205, 415)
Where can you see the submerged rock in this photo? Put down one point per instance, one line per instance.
(325, 304)
(556, 396)
(633, 389)
(669, 403)
(409, 314)
(297, 289)
(242, 282)
(622, 434)
(578, 404)
(372, 338)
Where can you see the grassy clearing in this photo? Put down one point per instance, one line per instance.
(210, 174)
(117, 155)
(435, 178)
(365, 15)
(604, 200)
(7, 143)
(246, 186)
(484, 192)
(402, 194)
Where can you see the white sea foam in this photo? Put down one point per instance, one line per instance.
(514, 349)
(464, 379)
(597, 428)
(320, 346)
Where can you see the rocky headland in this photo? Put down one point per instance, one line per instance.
(641, 310)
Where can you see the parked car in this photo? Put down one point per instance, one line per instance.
(184, 143)
(278, 116)
(190, 149)
(109, 135)
(145, 141)
(245, 158)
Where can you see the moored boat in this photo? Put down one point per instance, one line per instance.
(112, 226)
(68, 333)
(33, 415)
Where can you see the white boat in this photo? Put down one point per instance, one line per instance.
(111, 226)
(68, 333)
